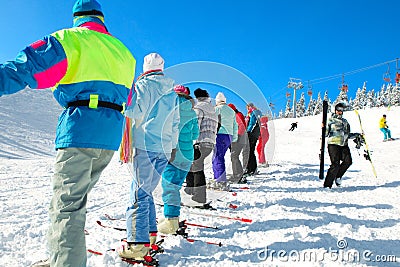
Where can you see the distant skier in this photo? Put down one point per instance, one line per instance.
(385, 129)
(338, 134)
(293, 126)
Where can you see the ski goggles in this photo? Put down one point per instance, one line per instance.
(340, 109)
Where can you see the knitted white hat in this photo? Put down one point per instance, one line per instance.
(220, 98)
(153, 61)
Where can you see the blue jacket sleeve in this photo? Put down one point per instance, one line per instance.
(40, 65)
(15, 75)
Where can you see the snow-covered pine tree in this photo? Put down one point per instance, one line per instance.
(380, 97)
(386, 95)
(351, 103)
(389, 95)
(342, 98)
(371, 99)
(396, 94)
(318, 105)
(357, 100)
(311, 107)
(301, 106)
(288, 111)
(393, 95)
(363, 96)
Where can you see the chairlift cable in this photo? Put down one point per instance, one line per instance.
(327, 78)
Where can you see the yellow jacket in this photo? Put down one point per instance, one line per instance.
(382, 123)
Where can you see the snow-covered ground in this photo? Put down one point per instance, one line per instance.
(293, 217)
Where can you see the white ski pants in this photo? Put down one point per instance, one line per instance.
(76, 172)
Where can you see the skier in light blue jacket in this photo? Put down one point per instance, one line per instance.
(155, 135)
(175, 173)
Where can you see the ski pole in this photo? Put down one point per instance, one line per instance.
(108, 226)
(224, 217)
(219, 244)
(184, 222)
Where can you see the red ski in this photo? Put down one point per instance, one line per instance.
(180, 232)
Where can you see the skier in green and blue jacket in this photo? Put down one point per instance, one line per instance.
(91, 82)
(338, 134)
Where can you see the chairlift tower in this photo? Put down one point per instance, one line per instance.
(296, 84)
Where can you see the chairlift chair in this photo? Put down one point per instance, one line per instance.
(343, 87)
(309, 91)
(386, 75)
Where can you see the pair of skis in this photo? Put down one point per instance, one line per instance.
(322, 150)
(367, 153)
(181, 231)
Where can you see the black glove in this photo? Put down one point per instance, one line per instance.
(196, 151)
(359, 140)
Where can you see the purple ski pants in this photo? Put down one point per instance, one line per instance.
(222, 144)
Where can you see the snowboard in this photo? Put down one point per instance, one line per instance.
(367, 152)
(322, 151)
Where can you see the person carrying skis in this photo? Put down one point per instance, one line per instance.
(242, 143)
(387, 136)
(155, 115)
(338, 134)
(208, 124)
(91, 82)
(293, 126)
(253, 131)
(262, 141)
(227, 133)
(175, 173)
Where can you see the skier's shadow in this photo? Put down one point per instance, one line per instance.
(369, 187)
(256, 253)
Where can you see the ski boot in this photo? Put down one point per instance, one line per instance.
(155, 246)
(168, 225)
(133, 251)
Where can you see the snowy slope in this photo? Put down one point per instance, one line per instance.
(291, 212)
(27, 122)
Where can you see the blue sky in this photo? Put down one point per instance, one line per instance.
(266, 41)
